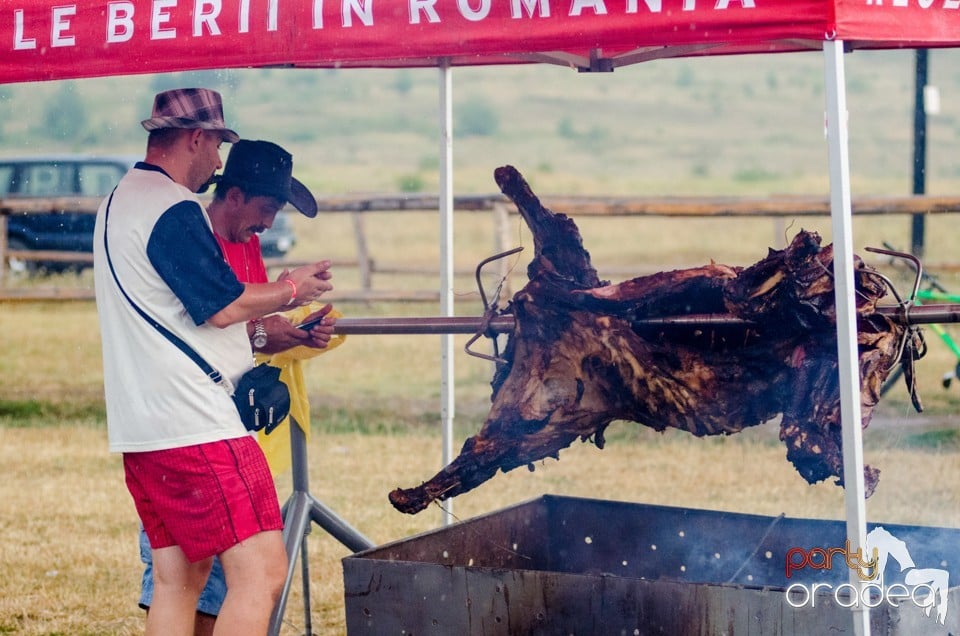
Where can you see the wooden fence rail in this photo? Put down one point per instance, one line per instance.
(501, 207)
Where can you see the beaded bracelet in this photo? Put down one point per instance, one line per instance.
(293, 288)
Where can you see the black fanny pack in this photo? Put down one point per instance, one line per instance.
(261, 398)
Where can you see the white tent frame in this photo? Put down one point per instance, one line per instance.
(844, 286)
(841, 215)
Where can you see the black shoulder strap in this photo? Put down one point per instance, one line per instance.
(212, 373)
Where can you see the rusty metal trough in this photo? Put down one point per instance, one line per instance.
(560, 565)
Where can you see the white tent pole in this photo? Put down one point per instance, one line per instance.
(447, 393)
(842, 222)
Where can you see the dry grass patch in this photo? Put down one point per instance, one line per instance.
(68, 530)
(69, 552)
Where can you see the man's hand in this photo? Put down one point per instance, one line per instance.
(303, 286)
(310, 282)
(282, 335)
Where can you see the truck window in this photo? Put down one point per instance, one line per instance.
(6, 172)
(97, 179)
(45, 180)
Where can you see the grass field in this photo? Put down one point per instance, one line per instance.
(69, 529)
(68, 556)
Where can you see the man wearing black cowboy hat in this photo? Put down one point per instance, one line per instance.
(200, 482)
(256, 183)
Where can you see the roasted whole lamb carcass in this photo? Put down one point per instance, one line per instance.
(584, 353)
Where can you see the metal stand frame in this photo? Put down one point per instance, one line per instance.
(299, 510)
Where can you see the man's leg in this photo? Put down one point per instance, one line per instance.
(211, 598)
(256, 570)
(205, 624)
(177, 584)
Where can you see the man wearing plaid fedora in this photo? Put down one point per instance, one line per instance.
(256, 183)
(200, 482)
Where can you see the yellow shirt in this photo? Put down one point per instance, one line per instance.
(276, 445)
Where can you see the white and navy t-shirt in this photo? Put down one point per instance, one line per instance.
(168, 262)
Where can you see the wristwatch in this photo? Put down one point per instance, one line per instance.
(259, 334)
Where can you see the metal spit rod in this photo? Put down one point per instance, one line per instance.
(421, 325)
(917, 315)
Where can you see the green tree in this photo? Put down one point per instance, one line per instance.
(217, 79)
(65, 116)
(410, 183)
(402, 82)
(164, 82)
(565, 128)
(477, 118)
(5, 96)
(685, 77)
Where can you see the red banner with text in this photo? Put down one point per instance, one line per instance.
(41, 40)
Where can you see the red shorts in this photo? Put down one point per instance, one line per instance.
(204, 498)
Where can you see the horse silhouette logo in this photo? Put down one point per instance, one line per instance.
(930, 584)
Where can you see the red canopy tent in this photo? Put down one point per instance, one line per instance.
(87, 38)
(46, 40)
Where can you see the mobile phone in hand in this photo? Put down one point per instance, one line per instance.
(310, 324)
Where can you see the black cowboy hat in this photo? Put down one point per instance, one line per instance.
(262, 168)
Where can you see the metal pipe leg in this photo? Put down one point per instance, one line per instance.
(298, 511)
(295, 527)
(337, 527)
(305, 576)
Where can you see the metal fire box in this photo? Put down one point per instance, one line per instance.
(561, 565)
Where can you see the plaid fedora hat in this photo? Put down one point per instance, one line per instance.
(190, 108)
(262, 168)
